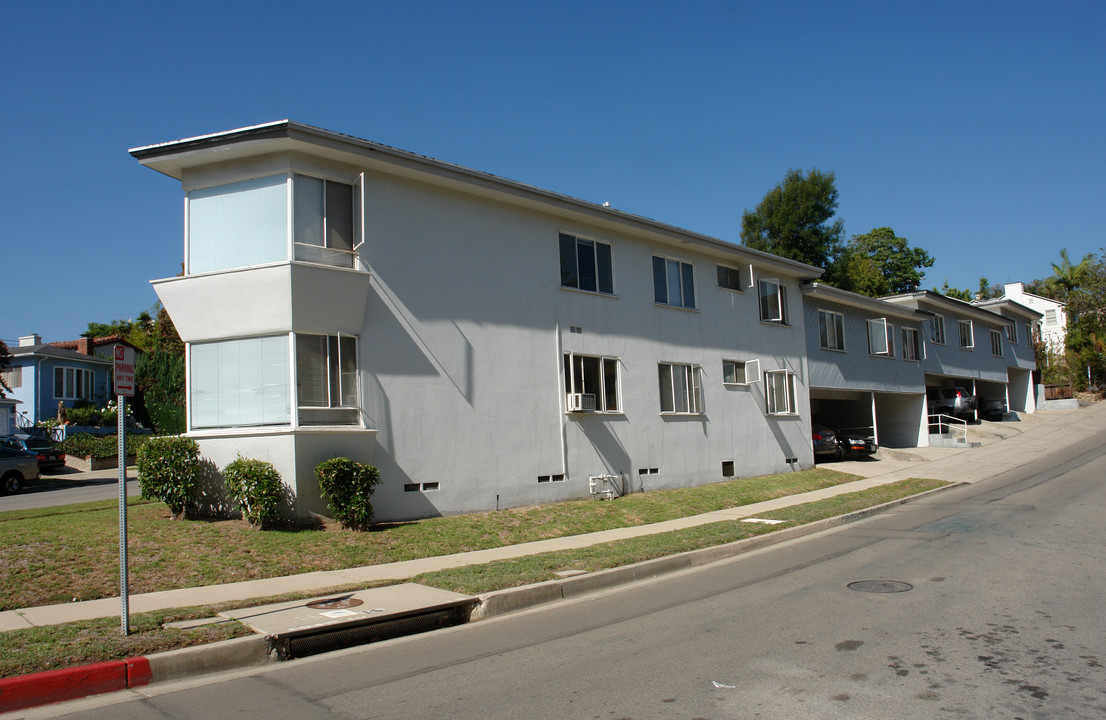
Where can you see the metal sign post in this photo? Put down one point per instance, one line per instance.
(124, 388)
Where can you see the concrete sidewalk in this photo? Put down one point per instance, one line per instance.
(1004, 446)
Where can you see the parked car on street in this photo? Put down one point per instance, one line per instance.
(955, 401)
(16, 468)
(48, 455)
(825, 443)
(854, 444)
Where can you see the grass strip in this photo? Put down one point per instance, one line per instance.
(45, 648)
(70, 553)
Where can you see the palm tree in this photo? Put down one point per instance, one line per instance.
(1068, 276)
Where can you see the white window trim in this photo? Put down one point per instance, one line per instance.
(780, 316)
(836, 316)
(882, 331)
(1012, 333)
(938, 321)
(996, 343)
(971, 334)
(739, 287)
(594, 241)
(90, 383)
(570, 382)
(919, 346)
(750, 370)
(695, 389)
(694, 306)
(791, 393)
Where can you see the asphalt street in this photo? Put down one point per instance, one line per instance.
(999, 616)
(102, 485)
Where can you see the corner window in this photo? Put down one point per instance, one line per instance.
(831, 330)
(591, 383)
(996, 343)
(911, 344)
(938, 326)
(673, 283)
(238, 224)
(781, 397)
(326, 380)
(773, 301)
(239, 383)
(586, 265)
(881, 336)
(729, 278)
(967, 338)
(324, 221)
(680, 389)
(72, 383)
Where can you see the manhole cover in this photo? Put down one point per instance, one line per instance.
(880, 586)
(335, 603)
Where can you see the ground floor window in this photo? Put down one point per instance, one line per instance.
(326, 380)
(239, 383)
(591, 383)
(72, 383)
(780, 395)
(680, 388)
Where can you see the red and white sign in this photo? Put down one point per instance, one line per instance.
(124, 371)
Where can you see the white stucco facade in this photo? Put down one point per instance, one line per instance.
(471, 346)
(1053, 322)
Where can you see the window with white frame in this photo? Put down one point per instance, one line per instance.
(326, 380)
(729, 278)
(967, 337)
(591, 383)
(1050, 317)
(673, 282)
(12, 376)
(881, 336)
(938, 326)
(780, 394)
(831, 330)
(239, 383)
(72, 383)
(911, 344)
(586, 264)
(238, 224)
(740, 372)
(324, 221)
(773, 301)
(1012, 332)
(680, 389)
(996, 343)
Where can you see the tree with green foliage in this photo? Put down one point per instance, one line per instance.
(1067, 277)
(880, 263)
(1086, 309)
(954, 293)
(159, 376)
(794, 220)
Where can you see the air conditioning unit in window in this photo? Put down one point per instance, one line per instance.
(581, 402)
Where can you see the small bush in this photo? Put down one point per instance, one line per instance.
(168, 470)
(101, 447)
(256, 487)
(348, 486)
(88, 416)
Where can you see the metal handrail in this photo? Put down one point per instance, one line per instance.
(943, 421)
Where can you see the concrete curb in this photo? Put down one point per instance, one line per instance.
(501, 602)
(54, 686)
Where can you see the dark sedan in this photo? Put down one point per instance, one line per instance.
(48, 455)
(825, 443)
(854, 445)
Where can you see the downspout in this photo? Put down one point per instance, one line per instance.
(562, 420)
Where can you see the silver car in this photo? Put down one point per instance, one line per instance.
(16, 467)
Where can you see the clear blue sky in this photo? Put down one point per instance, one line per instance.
(974, 129)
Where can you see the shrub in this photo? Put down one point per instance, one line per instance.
(257, 488)
(348, 486)
(168, 470)
(88, 416)
(100, 447)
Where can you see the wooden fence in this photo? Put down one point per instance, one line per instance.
(1059, 391)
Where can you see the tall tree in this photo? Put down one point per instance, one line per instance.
(159, 375)
(880, 263)
(1086, 306)
(1067, 276)
(793, 220)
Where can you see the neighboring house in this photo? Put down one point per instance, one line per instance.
(42, 375)
(483, 342)
(969, 346)
(101, 347)
(1053, 325)
(7, 413)
(1019, 353)
(866, 365)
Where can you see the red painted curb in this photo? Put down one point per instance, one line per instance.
(53, 686)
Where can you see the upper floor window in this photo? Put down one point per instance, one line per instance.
(591, 383)
(12, 376)
(881, 336)
(831, 330)
(740, 372)
(911, 344)
(326, 380)
(586, 264)
(967, 337)
(324, 221)
(1050, 317)
(939, 329)
(996, 343)
(673, 282)
(246, 223)
(780, 394)
(773, 301)
(729, 278)
(681, 391)
(72, 383)
(1012, 332)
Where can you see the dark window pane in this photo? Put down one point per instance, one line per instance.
(666, 386)
(308, 210)
(568, 262)
(688, 285)
(660, 284)
(339, 216)
(610, 384)
(603, 262)
(585, 264)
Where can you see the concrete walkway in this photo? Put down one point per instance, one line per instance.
(1004, 446)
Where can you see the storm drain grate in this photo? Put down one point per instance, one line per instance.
(303, 645)
(880, 586)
